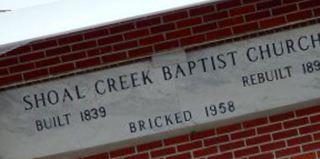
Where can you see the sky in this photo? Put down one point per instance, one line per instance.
(18, 4)
(47, 18)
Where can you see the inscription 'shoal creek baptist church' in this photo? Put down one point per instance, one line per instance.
(206, 64)
(218, 61)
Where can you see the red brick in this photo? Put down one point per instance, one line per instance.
(295, 122)
(309, 4)
(258, 15)
(230, 22)
(121, 28)
(263, 156)
(4, 55)
(98, 156)
(309, 129)
(192, 40)
(214, 35)
(19, 50)
(44, 44)
(268, 4)
(258, 139)
(4, 71)
(201, 10)
(145, 51)
(152, 39)
(273, 146)
(228, 129)
(96, 33)
(139, 156)
(110, 39)
(299, 15)
(34, 74)
(162, 28)
(255, 122)
(246, 152)
(299, 140)
(242, 10)
(163, 152)
(205, 151)
(269, 128)
(97, 51)
(284, 9)
(216, 140)
(311, 146)
(61, 68)
(178, 34)
(311, 155)
(272, 22)
(84, 45)
(175, 16)
(149, 146)
(281, 117)
(70, 39)
(88, 63)
(8, 62)
(10, 79)
(228, 4)
(48, 62)
(222, 156)
(189, 22)
(204, 28)
(250, 1)
(114, 57)
(231, 145)
(245, 28)
(308, 111)
(122, 152)
(316, 136)
(125, 45)
(315, 119)
(243, 134)
(167, 45)
(317, 12)
(284, 134)
(72, 57)
(136, 34)
(57, 51)
(176, 140)
(202, 134)
(189, 146)
(291, 1)
(32, 56)
(181, 156)
(216, 16)
(287, 152)
(103, 50)
(21, 67)
(148, 22)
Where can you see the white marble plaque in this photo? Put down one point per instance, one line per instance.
(149, 98)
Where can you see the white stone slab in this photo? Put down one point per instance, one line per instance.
(170, 104)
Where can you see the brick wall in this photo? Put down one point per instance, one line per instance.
(138, 38)
(294, 134)
(290, 135)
